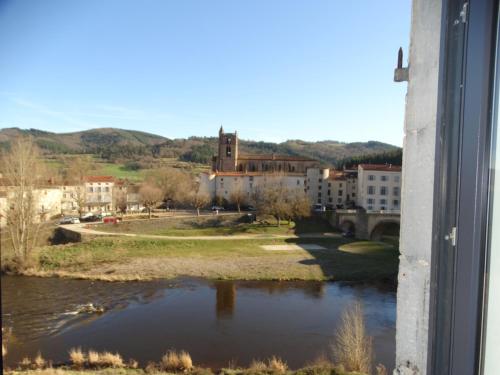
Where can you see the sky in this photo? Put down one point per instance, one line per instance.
(271, 69)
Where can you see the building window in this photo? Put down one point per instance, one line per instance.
(320, 187)
(383, 190)
(395, 190)
(91, 189)
(383, 178)
(330, 200)
(353, 195)
(340, 185)
(369, 208)
(329, 184)
(371, 190)
(395, 203)
(383, 201)
(320, 180)
(371, 178)
(396, 178)
(319, 195)
(341, 192)
(329, 192)
(298, 182)
(369, 201)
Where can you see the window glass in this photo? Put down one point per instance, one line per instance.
(492, 334)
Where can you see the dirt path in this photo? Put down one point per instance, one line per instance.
(82, 229)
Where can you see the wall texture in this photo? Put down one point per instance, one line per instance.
(417, 188)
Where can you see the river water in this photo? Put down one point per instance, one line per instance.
(216, 322)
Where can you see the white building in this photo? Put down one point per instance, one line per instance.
(379, 187)
(99, 193)
(223, 185)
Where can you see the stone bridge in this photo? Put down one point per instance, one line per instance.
(366, 224)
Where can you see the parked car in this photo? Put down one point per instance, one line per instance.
(217, 208)
(318, 208)
(86, 215)
(348, 234)
(90, 219)
(111, 220)
(69, 220)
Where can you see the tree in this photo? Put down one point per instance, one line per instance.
(150, 196)
(24, 173)
(121, 202)
(300, 205)
(78, 168)
(199, 199)
(275, 199)
(238, 195)
(80, 198)
(174, 184)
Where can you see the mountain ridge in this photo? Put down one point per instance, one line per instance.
(122, 144)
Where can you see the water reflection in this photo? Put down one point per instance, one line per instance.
(225, 299)
(216, 322)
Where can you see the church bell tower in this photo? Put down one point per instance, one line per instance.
(228, 151)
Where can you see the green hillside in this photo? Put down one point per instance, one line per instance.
(122, 146)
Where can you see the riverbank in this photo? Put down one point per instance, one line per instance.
(313, 370)
(126, 259)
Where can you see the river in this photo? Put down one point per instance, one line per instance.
(216, 322)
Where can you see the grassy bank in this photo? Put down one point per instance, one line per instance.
(143, 259)
(216, 226)
(312, 370)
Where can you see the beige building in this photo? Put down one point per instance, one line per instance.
(379, 187)
(99, 193)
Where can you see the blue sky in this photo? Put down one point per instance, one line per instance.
(271, 69)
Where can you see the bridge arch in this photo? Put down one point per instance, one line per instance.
(385, 227)
(348, 225)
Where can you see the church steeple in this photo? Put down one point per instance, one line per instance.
(221, 130)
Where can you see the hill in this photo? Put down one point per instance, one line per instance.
(119, 145)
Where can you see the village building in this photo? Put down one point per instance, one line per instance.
(379, 187)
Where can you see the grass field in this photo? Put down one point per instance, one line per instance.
(143, 259)
(215, 226)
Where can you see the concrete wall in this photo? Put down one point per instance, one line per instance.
(417, 189)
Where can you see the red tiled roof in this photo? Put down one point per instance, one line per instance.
(271, 157)
(99, 179)
(271, 174)
(381, 167)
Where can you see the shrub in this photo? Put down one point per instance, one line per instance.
(108, 359)
(257, 367)
(276, 364)
(173, 361)
(93, 358)
(353, 348)
(25, 363)
(39, 362)
(77, 357)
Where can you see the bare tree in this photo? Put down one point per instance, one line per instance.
(150, 196)
(238, 195)
(199, 199)
(121, 202)
(274, 198)
(78, 167)
(80, 198)
(24, 173)
(174, 184)
(300, 204)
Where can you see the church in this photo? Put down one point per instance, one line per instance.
(229, 159)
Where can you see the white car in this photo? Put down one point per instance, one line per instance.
(69, 220)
